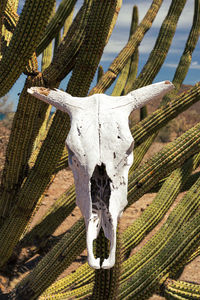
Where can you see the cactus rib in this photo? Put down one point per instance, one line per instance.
(162, 115)
(69, 48)
(64, 10)
(123, 77)
(31, 24)
(175, 289)
(186, 58)
(159, 206)
(121, 60)
(26, 124)
(172, 232)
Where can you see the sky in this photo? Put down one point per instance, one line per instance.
(120, 36)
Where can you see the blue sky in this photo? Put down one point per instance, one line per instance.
(120, 37)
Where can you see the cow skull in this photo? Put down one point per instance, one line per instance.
(100, 148)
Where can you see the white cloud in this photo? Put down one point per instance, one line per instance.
(125, 14)
(170, 65)
(194, 65)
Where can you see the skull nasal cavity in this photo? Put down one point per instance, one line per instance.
(100, 188)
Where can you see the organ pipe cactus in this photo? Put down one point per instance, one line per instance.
(35, 153)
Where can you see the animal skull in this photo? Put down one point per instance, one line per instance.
(100, 148)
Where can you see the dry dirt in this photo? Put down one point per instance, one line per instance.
(60, 184)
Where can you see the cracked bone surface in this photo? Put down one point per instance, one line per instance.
(100, 148)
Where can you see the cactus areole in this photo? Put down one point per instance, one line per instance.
(100, 148)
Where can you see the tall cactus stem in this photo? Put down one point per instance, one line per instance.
(121, 60)
(175, 289)
(125, 73)
(31, 24)
(55, 25)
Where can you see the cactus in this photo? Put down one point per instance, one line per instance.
(179, 75)
(181, 290)
(130, 69)
(36, 152)
(121, 60)
(64, 10)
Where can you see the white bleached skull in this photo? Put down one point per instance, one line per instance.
(100, 148)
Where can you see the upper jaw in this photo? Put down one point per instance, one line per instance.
(93, 228)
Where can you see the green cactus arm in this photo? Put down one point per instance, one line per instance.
(8, 20)
(68, 23)
(160, 50)
(27, 121)
(179, 76)
(121, 81)
(158, 251)
(175, 289)
(63, 254)
(2, 11)
(55, 25)
(170, 256)
(46, 56)
(69, 48)
(57, 41)
(191, 179)
(57, 213)
(194, 255)
(48, 51)
(11, 17)
(186, 186)
(161, 116)
(133, 66)
(157, 209)
(161, 47)
(121, 60)
(32, 21)
(82, 275)
(93, 39)
(139, 152)
(123, 77)
(46, 60)
(78, 293)
(186, 58)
